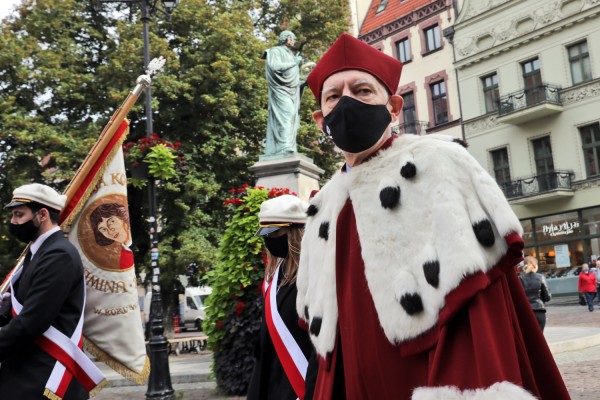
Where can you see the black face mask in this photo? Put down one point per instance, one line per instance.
(25, 232)
(355, 126)
(277, 246)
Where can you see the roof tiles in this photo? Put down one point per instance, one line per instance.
(394, 10)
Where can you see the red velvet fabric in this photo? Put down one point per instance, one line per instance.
(350, 53)
(486, 333)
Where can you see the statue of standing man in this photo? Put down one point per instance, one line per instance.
(283, 78)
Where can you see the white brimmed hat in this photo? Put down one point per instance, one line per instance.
(37, 193)
(281, 211)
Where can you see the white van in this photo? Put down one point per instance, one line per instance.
(193, 307)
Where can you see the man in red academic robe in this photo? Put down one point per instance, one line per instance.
(406, 276)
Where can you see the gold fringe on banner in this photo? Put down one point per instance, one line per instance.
(138, 377)
(52, 396)
(48, 393)
(66, 225)
(98, 388)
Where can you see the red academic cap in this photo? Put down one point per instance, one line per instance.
(350, 53)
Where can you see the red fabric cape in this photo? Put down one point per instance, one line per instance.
(486, 333)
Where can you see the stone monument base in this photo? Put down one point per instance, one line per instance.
(294, 171)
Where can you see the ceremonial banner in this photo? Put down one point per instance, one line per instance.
(96, 218)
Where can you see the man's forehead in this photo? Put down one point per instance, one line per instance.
(20, 209)
(351, 76)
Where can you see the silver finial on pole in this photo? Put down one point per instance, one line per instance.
(154, 67)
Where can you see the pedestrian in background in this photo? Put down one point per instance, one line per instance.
(597, 273)
(587, 285)
(284, 346)
(536, 289)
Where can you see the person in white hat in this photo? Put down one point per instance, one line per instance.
(284, 346)
(49, 292)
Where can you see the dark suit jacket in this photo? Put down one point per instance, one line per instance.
(269, 380)
(51, 291)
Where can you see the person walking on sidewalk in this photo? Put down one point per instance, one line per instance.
(587, 285)
(536, 289)
(597, 273)
(284, 346)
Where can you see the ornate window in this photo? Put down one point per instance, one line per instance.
(433, 38)
(501, 166)
(439, 101)
(532, 77)
(579, 59)
(544, 165)
(590, 139)
(403, 47)
(408, 108)
(490, 92)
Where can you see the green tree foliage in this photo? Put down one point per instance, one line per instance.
(48, 115)
(66, 65)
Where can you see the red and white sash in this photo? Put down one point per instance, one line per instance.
(288, 351)
(71, 361)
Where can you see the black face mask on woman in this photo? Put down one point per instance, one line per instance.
(355, 126)
(25, 232)
(278, 246)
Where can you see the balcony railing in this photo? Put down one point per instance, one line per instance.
(415, 127)
(538, 184)
(526, 98)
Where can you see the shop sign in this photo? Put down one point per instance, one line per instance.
(566, 228)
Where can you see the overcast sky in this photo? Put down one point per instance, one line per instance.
(6, 6)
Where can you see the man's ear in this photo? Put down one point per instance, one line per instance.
(396, 102)
(318, 118)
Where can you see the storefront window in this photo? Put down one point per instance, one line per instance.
(557, 227)
(593, 247)
(563, 242)
(560, 259)
(529, 251)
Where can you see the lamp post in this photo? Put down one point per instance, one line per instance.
(159, 382)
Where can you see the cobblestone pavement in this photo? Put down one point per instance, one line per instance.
(578, 368)
(184, 391)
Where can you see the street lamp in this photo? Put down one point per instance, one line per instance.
(169, 6)
(159, 382)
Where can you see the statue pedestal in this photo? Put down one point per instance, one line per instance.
(295, 171)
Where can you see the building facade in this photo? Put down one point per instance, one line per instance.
(529, 79)
(413, 32)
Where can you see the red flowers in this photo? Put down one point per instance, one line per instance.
(136, 151)
(276, 192)
(236, 198)
(236, 201)
(239, 307)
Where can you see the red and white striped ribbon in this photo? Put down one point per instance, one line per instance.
(71, 360)
(290, 355)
